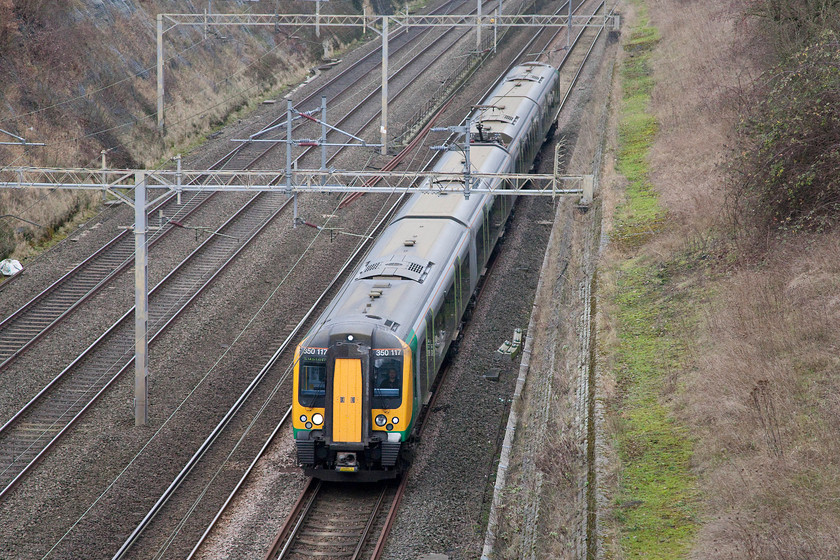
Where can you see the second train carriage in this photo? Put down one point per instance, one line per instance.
(366, 369)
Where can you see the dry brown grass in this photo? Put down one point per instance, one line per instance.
(765, 401)
(90, 85)
(763, 396)
(696, 76)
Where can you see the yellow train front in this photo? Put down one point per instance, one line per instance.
(354, 407)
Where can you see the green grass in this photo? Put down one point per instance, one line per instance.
(656, 505)
(642, 215)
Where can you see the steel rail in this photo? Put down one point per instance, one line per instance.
(239, 484)
(119, 335)
(291, 519)
(205, 446)
(298, 515)
(27, 325)
(366, 531)
(16, 452)
(253, 463)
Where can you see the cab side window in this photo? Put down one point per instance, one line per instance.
(313, 382)
(386, 377)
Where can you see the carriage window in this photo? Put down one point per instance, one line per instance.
(479, 246)
(497, 212)
(449, 310)
(387, 377)
(423, 361)
(312, 382)
(465, 281)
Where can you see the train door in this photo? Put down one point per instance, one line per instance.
(473, 260)
(423, 366)
(431, 362)
(347, 401)
(464, 282)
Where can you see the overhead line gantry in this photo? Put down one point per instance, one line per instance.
(368, 22)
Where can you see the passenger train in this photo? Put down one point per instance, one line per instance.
(366, 369)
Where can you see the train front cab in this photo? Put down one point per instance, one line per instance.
(351, 421)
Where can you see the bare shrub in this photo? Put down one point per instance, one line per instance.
(763, 395)
(763, 401)
(560, 458)
(790, 25)
(789, 163)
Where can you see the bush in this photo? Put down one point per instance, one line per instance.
(790, 25)
(7, 240)
(790, 156)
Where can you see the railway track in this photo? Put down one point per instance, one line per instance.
(30, 433)
(334, 520)
(168, 516)
(26, 326)
(38, 425)
(23, 328)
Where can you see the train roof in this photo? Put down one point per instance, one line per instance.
(504, 111)
(408, 263)
(400, 273)
(488, 158)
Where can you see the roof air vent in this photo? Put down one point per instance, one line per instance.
(396, 266)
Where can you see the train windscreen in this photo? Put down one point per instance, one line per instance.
(386, 375)
(312, 382)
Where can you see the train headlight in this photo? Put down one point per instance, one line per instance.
(308, 425)
(317, 419)
(380, 420)
(303, 417)
(395, 420)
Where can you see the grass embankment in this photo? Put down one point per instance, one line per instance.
(656, 501)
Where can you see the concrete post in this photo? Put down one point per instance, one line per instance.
(478, 27)
(323, 136)
(141, 305)
(588, 190)
(383, 129)
(160, 71)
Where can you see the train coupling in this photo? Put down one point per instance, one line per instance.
(346, 462)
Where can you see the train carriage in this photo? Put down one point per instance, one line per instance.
(366, 369)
